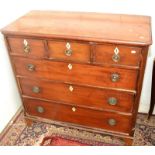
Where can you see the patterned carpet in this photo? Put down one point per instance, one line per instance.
(21, 135)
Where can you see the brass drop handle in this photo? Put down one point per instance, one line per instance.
(116, 56)
(112, 122)
(112, 101)
(73, 109)
(40, 109)
(68, 51)
(26, 46)
(36, 89)
(115, 77)
(71, 88)
(31, 67)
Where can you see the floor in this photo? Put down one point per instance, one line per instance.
(20, 134)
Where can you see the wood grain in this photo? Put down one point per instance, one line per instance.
(129, 56)
(93, 38)
(37, 49)
(98, 27)
(80, 73)
(81, 96)
(80, 51)
(81, 116)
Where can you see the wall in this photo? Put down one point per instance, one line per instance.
(10, 10)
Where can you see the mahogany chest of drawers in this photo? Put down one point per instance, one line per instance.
(84, 69)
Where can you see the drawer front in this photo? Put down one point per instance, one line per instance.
(74, 51)
(27, 47)
(118, 55)
(77, 73)
(78, 95)
(92, 118)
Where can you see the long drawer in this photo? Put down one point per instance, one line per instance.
(77, 73)
(82, 116)
(78, 95)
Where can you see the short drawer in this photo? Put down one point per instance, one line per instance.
(82, 116)
(117, 55)
(74, 51)
(78, 95)
(26, 47)
(77, 73)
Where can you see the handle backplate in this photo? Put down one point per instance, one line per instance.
(36, 89)
(116, 56)
(112, 122)
(112, 100)
(115, 77)
(26, 46)
(68, 51)
(40, 109)
(31, 67)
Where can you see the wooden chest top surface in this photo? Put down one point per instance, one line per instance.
(99, 27)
